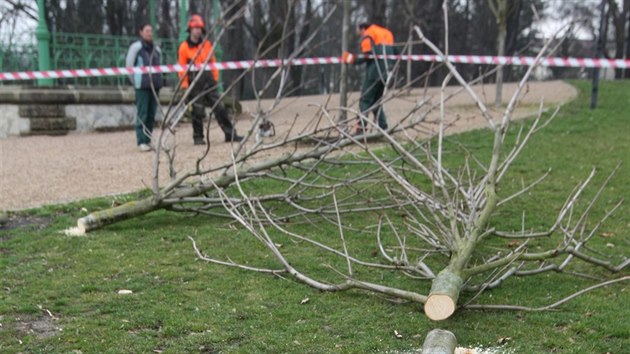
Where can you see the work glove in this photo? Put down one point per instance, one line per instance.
(347, 57)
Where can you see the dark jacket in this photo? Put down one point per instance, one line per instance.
(142, 53)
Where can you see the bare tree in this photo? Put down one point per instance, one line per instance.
(174, 193)
(500, 10)
(621, 20)
(433, 218)
(452, 219)
(13, 7)
(343, 85)
(12, 13)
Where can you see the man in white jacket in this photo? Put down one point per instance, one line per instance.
(144, 53)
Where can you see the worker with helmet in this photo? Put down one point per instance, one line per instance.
(375, 40)
(196, 49)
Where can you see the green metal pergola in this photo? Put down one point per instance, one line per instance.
(43, 43)
(44, 36)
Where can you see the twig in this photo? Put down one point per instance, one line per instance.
(548, 307)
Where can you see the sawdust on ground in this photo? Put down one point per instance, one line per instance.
(40, 170)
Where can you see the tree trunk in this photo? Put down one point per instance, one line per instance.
(435, 31)
(500, 52)
(69, 25)
(236, 34)
(343, 83)
(439, 341)
(132, 209)
(625, 20)
(601, 47)
(129, 210)
(166, 27)
(442, 300)
(297, 71)
(115, 13)
(378, 12)
(628, 43)
(619, 20)
(500, 11)
(513, 29)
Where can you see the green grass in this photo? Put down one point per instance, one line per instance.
(180, 304)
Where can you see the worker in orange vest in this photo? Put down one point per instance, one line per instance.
(375, 40)
(198, 50)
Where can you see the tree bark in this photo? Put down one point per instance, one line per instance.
(627, 75)
(439, 341)
(500, 10)
(501, 52)
(442, 300)
(129, 210)
(619, 20)
(343, 83)
(513, 29)
(166, 26)
(378, 12)
(301, 37)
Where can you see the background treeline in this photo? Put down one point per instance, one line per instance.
(258, 27)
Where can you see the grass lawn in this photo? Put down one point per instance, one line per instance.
(180, 304)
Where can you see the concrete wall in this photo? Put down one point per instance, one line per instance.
(33, 110)
(11, 123)
(99, 117)
(90, 117)
(60, 110)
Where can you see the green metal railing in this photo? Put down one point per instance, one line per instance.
(18, 57)
(71, 50)
(77, 51)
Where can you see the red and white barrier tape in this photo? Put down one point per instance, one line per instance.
(263, 63)
(172, 68)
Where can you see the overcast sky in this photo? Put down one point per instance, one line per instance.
(554, 21)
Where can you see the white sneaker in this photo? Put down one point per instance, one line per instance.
(144, 147)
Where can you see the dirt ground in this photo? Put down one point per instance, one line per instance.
(42, 170)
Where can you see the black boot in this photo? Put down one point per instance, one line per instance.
(233, 137)
(198, 140)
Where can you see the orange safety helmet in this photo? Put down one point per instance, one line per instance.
(196, 22)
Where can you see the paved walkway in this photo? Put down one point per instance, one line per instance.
(41, 170)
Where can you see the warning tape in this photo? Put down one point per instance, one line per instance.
(172, 68)
(263, 63)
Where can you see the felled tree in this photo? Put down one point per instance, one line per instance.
(451, 216)
(195, 189)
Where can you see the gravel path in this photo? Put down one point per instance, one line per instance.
(42, 170)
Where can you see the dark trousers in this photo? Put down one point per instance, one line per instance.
(371, 93)
(209, 98)
(146, 105)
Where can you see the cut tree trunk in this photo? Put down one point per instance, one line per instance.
(133, 209)
(439, 341)
(129, 210)
(125, 211)
(442, 300)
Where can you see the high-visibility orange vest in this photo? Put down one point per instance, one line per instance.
(376, 35)
(187, 53)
